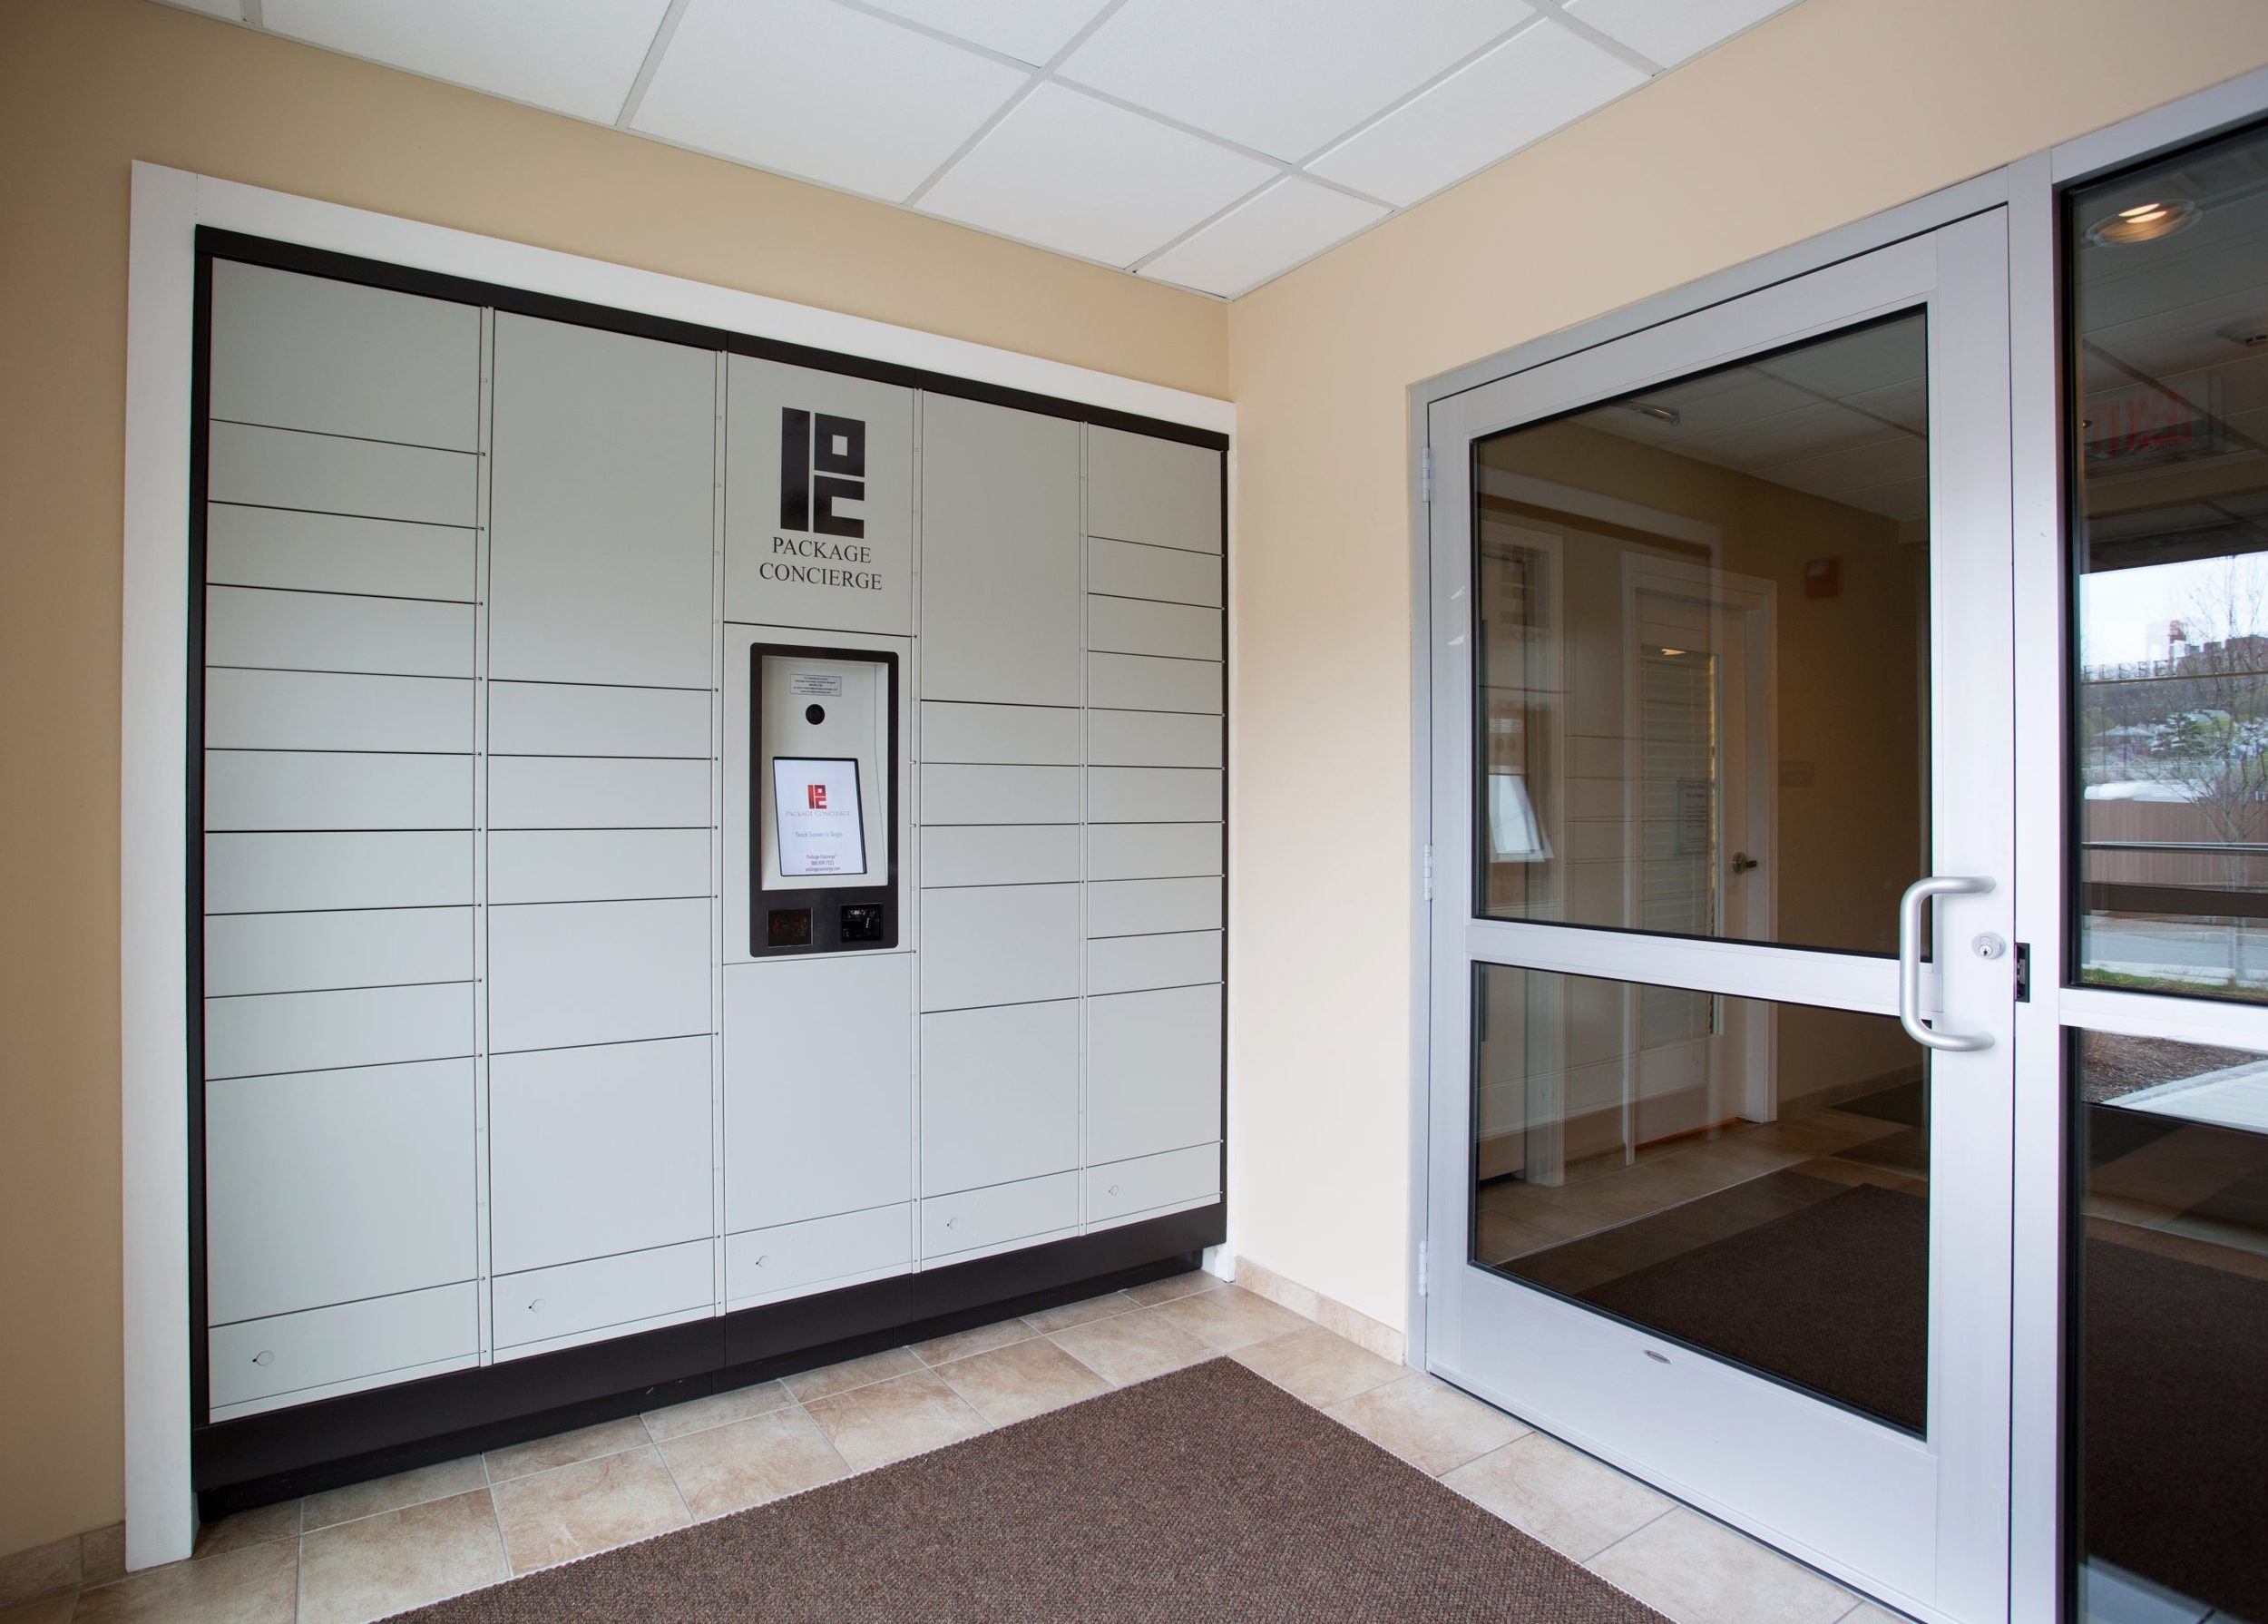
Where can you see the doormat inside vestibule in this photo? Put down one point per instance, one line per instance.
(1206, 1494)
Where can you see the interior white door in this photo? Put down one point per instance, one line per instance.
(1720, 620)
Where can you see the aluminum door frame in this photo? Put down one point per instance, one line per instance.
(1924, 1524)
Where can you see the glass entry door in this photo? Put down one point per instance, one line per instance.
(1722, 988)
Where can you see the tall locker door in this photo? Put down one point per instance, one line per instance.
(1000, 555)
(341, 552)
(1154, 787)
(601, 796)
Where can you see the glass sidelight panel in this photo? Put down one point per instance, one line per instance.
(2170, 1328)
(2169, 449)
(1702, 655)
(1747, 1177)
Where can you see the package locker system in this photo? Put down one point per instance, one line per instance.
(713, 860)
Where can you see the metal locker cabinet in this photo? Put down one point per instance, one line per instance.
(320, 711)
(265, 1363)
(955, 794)
(998, 945)
(1000, 555)
(789, 1259)
(1153, 794)
(1153, 1072)
(1000, 1094)
(600, 509)
(810, 458)
(1150, 907)
(1153, 738)
(1134, 963)
(1160, 491)
(819, 1087)
(597, 1151)
(316, 353)
(1000, 735)
(1135, 626)
(360, 1026)
(1121, 1191)
(562, 974)
(247, 790)
(293, 871)
(278, 468)
(1000, 855)
(1165, 574)
(333, 552)
(558, 719)
(574, 792)
(1153, 851)
(326, 1187)
(1145, 682)
(596, 865)
(337, 631)
(308, 952)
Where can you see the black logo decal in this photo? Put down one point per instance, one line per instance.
(815, 471)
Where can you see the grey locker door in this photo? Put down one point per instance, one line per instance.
(1000, 555)
(601, 507)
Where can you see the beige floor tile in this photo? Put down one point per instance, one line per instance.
(564, 1449)
(255, 1585)
(1318, 1365)
(888, 1421)
(963, 1344)
(352, 1572)
(590, 1506)
(1021, 1380)
(1701, 1573)
(255, 1527)
(44, 1569)
(1175, 1286)
(437, 1481)
(54, 1609)
(1428, 1423)
(831, 1379)
(1230, 1319)
(761, 1398)
(1081, 1314)
(747, 1463)
(1132, 1347)
(103, 1554)
(1576, 1505)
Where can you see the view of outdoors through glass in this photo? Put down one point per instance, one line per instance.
(2170, 539)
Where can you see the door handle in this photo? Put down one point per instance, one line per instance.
(1909, 962)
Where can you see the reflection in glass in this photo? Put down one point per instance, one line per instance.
(2172, 1331)
(1702, 653)
(1747, 1177)
(2169, 271)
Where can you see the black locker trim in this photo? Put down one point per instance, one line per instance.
(302, 1449)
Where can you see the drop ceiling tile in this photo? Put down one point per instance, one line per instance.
(1669, 31)
(1291, 221)
(1030, 30)
(576, 56)
(1082, 177)
(1540, 79)
(818, 90)
(1281, 80)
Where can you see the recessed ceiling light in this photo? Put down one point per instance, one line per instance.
(2144, 222)
(1659, 413)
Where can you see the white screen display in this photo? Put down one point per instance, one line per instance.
(816, 810)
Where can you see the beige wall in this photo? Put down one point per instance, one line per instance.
(86, 86)
(1831, 112)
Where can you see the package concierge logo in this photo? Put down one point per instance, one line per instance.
(822, 468)
(815, 793)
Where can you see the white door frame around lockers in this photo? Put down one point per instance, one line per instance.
(2027, 189)
(1918, 1522)
(168, 206)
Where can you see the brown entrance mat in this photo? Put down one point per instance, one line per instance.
(1205, 1494)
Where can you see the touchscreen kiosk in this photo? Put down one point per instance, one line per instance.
(822, 870)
